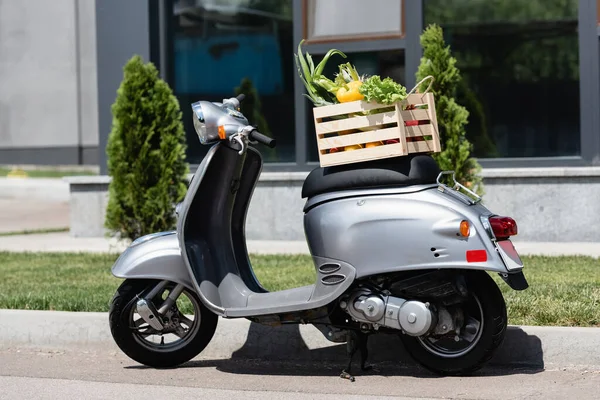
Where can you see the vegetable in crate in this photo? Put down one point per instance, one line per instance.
(349, 83)
(320, 89)
(384, 91)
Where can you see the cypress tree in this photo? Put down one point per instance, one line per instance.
(452, 118)
(146, 154)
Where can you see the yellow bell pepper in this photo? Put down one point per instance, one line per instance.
(349, 92)
(353, 147)
(373, 144)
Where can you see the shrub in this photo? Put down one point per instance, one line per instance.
(146, 154)
(452, 117)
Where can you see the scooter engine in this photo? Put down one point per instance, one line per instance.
(412, 317)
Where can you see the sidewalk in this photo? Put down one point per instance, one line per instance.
(62, 242)
(525, 346)
(33, 204)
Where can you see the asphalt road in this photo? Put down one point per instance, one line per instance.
(28, 373)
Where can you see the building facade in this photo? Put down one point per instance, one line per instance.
(530, 68)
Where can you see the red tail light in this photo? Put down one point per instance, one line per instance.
(503, 227)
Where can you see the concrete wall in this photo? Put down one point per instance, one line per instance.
(549, 204)
(123, 30)
(48, 91)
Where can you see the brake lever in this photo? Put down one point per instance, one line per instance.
(246, 131)
(242, 143)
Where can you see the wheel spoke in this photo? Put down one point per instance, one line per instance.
(138, 323)
(185, 321)
(143, 331)
(470, 330)
(180, 331)
(178, 328)
(454, 346)
(146, 333)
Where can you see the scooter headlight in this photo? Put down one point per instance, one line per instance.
(214, 122)
(200, 123)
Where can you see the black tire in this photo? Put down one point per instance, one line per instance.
(495, 318)
(119, 320)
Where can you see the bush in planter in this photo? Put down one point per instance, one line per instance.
(451, 116)
(251, 107)
(146, 154)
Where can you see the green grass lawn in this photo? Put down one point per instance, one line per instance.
(563, 290)
(34, 231)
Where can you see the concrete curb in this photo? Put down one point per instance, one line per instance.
(536, 347)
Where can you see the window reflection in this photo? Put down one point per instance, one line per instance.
(353, 19)
(520, 68)
(222, 47)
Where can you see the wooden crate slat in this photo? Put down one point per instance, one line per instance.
(402, 129)
(359, 138)
(411, 115)
(425, 111)
(355, 122)
(416, 98)
(424, 146)
(433, 118)
(346, 108)
(373, 153)
(419, 130)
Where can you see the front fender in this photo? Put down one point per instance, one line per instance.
(155, 256)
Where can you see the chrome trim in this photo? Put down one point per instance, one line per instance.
(171, 299)
(150, 236)
(148, 313)
(456, 187)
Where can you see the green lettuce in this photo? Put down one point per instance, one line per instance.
(382, 91)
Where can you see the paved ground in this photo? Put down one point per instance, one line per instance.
(29, 204)
(45, 374)
(32, 214)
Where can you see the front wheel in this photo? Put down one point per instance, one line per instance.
(485, 322)
(189, 325)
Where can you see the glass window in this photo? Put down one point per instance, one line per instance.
(520, 68)
(339, 19)
(222, 45)
(383, 63)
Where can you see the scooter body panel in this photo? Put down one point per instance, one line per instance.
(154, 256)
(211, 235)
(379, 232)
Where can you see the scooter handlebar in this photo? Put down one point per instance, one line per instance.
(262, 139)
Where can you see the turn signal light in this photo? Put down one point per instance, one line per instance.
(503, 227)
(465, 229)
(222, 134)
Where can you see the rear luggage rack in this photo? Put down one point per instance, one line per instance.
(455, 190)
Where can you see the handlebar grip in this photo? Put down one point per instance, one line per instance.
(262, 139)
(240, 97)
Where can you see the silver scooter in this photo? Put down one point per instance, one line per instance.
(395, 251)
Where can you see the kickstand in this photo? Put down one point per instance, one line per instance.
(356, 341)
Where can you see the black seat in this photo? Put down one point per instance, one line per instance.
(417, 169)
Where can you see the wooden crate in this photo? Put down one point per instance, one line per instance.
(406, 127)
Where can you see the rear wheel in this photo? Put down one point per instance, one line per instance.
(483, 331)
(189, 326)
